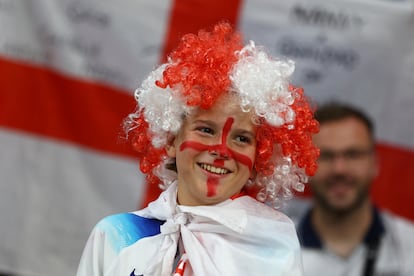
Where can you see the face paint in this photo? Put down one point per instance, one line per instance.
(224, 153)
(212, 184)
(221, 149)
(218, 163)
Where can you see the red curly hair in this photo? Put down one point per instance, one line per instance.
(200, 69)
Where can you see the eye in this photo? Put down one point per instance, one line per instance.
(326, 156)
(205, 129)
(354, 154)
(243, 139)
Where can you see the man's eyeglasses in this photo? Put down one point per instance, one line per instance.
(350, 155)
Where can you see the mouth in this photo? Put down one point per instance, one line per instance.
(213, 169)
(340, 182)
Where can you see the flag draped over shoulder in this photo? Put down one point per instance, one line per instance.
(68, 70)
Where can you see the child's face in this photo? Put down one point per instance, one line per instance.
(214, 151)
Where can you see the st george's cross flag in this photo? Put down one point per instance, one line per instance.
(68, 70)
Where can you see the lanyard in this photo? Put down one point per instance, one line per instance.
(371, 257)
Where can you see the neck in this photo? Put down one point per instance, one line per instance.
(342, 233)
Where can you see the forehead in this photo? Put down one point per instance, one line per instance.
(342, 134)
(226, 106)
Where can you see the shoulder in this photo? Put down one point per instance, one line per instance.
(110, 237)
(122, 230)
(397, 224)
(397, 232)
(398, 244)
(259, 210)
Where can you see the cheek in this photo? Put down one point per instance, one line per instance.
(320, 174)
(367, 172)
(195, 146)
(247, 158)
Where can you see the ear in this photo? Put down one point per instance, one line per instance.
(170, 148)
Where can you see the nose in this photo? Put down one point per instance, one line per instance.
(220, 151)
(339, 165)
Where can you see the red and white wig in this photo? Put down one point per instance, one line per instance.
(203, 67)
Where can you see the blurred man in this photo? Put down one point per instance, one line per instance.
(343, 233)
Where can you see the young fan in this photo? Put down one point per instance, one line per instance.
(222, 130)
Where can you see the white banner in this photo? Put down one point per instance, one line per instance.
(117, 43)
(355, 51)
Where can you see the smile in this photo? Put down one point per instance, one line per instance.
(213, 169)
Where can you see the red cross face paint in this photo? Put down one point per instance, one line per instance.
(214, 151)
(222, 152)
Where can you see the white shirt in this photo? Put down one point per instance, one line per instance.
(236, 237)
(395, 255)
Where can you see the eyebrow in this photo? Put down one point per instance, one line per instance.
(202, 121)
(207, 122)
(213, 123)
(245, 132)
